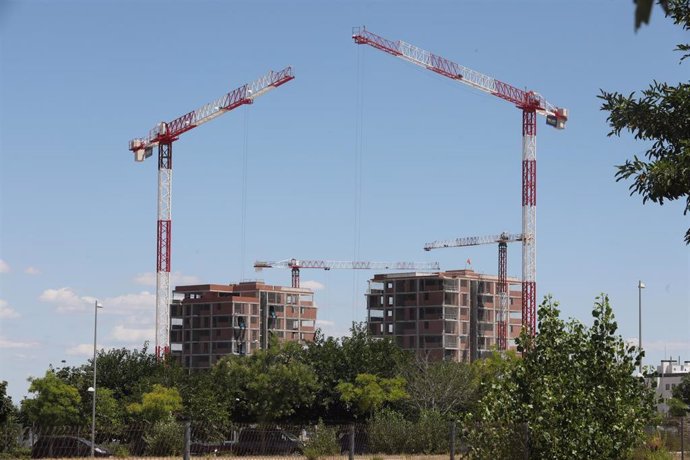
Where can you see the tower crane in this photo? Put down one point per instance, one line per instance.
(503, 239)
(531, 104)
(295, 265)
(162, 136)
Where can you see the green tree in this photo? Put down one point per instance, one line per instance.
(660, 116)
(342, 359)
(109, 412)
(55, 402)
(204, 406)
(446, 387)
(573, 395)
(269, 385)
(10, 429)
(7, 408)
(643, 11)
(369, 392)
(157, 405)
(682, 390)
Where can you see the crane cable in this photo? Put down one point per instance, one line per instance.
(359, 144)
(243, 224)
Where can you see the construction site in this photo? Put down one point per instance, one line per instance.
(463, 315)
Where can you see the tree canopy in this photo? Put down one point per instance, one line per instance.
(661, 115)
(55, 402)
(573, 395)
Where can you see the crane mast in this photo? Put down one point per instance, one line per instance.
(531, 103)
(503, 239)
(296, 264)
(162, 136)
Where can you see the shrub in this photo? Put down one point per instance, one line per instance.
(323, 442)
(389, 432)
(165, 438)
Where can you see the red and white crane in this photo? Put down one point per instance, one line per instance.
(296, 264)
(531, 103)
(162, 136)
(503, 298)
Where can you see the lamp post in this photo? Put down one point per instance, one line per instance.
(640, 286)
(96, 306)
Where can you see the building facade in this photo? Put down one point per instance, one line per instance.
(447, 315)
(668, 375)
(209, 321)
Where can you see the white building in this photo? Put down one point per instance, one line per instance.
(668, 374)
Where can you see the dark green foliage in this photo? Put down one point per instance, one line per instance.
(323, 442)
(165, 438)
(55, 403)
(204, 405)
(643, 11)
(269, 385)
(660, 116)
(682, 390)
(573, 395)
(341, 360)
(390, 432)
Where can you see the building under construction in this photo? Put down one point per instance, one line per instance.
(209, 321)
(446, 315)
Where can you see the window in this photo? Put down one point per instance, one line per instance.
(389, 285)
(668, 386)
(389, 313)
(390, 328)
(390, 300)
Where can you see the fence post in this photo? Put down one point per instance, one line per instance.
(452, 440)
(187, 438)
(351, 453)
(682, 436)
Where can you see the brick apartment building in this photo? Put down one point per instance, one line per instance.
(209, 321)
(447, 315)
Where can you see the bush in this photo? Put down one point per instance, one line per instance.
(165, 438)
(323, 442)
(118, 450)
(431, 433)
(16, 453)
(389, 433)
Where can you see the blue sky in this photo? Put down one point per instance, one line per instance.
(79, 79)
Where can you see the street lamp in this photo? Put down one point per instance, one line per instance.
(96, 306)
(640, 286)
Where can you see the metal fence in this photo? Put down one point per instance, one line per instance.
(187, 439)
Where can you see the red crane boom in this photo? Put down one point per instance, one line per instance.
(163, 135)
(531, 103)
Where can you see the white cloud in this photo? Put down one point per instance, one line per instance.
(4, 268)
(7, 312)
(331, 328)
(128, 303)
(83, 349)
(125, 334)
(67, 300)
(663, 345)
(324, 323)
(311, 284)
(4, 343)
(176, 279)
(32, 271)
